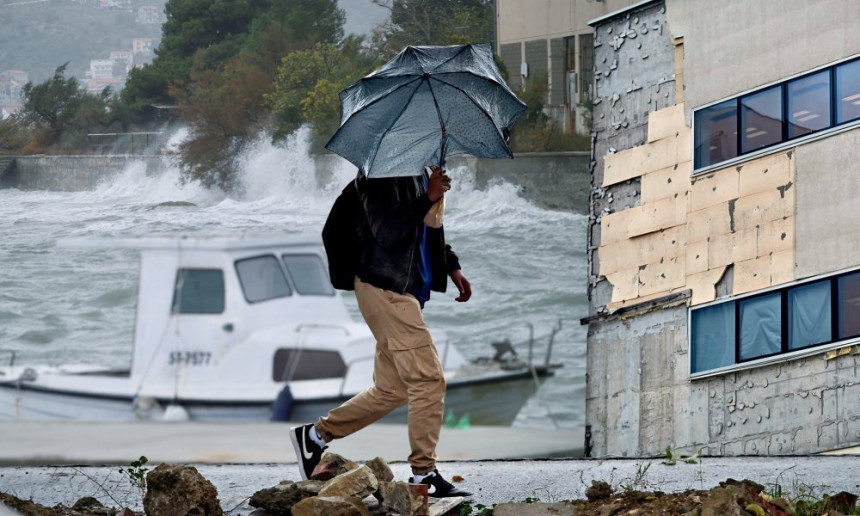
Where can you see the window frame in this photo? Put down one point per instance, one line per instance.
(785, 142)
(786, 352)
(283, 259)
(280, 266)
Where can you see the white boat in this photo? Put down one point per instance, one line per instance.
(245, 329)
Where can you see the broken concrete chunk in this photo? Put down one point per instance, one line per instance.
(357, 483)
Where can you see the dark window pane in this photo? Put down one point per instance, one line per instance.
(199, 291)
(849, 306)
(716, 133)
(306, 364)
(262, 278)
(761, 119)
(809, 315)
(308, 274)
(808, 104)
(713, 334)
(848, 92)
(761, 325)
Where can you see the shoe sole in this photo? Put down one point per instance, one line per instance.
(298, 449)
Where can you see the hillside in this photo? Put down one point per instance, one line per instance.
(37, 36)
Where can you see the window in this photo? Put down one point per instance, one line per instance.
(712, 328)
(808, 108)
(809, 315)
(716, 133)
(806, 105)
(760, 326)
(262, 278)
(199, 291)
(848, 92)
(849, 306)
(818, 312)
(306, 364)
(761, 119)
(308, 274)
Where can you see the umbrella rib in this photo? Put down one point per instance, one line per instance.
(393, 121)
(444, 144)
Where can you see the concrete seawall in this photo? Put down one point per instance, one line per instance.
(553, 180)
(71, 173)
(557, 180)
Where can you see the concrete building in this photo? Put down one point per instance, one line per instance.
(550, 40)
(724, 278)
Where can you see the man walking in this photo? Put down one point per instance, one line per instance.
(402, 260)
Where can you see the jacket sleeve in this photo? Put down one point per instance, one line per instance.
(452, 263)
(393, 214)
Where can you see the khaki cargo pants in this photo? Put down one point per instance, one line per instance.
(406, 370)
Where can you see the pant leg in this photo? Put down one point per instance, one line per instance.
(388, 391)
(407, 365)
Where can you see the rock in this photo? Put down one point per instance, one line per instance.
(330, 506)
(380, 469)
(534, 509)
(87, 503)
(398, 498)
(755, 486)
(357, 483)
(725, 501)
(332, 465)
(180, 491)
(168, 204)
(125, 512)
(599, 490)
(843, 502)
(279, 500)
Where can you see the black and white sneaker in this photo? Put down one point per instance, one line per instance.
(438, 487)
(308, 452)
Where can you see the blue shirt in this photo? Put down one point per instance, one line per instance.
(421, 289)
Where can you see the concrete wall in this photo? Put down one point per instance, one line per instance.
(750, 44)
(72, 173)
(661, 240)
(828, 221)
(643, 400)
(522, 20)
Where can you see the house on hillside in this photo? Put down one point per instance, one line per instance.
(11, 91)
(551, 41)
(150, 15)
(724, 277)
(142, 49)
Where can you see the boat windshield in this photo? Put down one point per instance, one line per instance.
(308, 274)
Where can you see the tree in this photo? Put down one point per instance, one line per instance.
(535, 131)
(217, 62)
(435, 22)
(49, 106)
(222, 29)
(308, 85)
(224, 109)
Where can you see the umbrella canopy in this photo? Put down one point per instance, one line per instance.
(425, 104)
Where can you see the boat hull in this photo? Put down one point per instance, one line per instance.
(485, 402)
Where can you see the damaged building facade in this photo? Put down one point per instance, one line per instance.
(724, 276)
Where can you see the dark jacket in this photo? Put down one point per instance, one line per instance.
(395, 209)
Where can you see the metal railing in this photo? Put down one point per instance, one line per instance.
(121, 143)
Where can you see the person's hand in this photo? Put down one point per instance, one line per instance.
(463, 286)
(438, 184)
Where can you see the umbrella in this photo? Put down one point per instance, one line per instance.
(425, 104)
